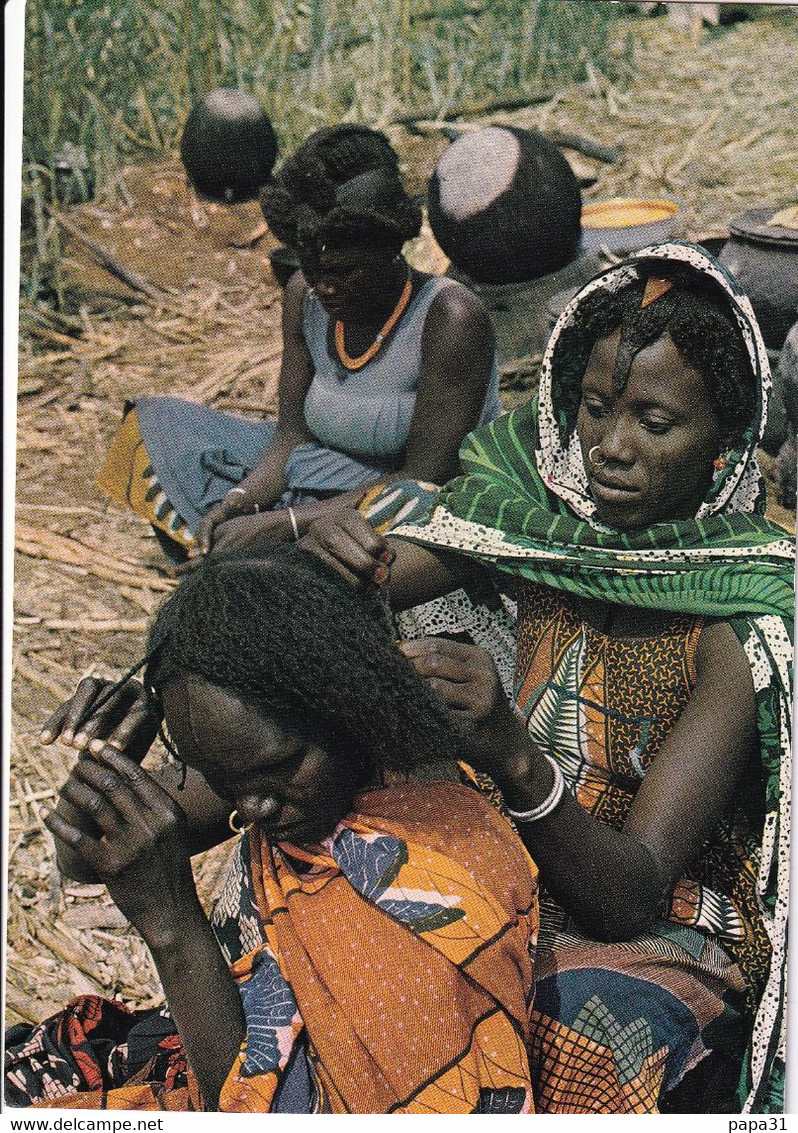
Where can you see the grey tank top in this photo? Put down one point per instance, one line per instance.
(367, 413)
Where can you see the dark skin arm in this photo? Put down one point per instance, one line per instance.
(141, 853)
(266, 483)
(613, 882)
(456, 358)
(368, 560)
(129, 723)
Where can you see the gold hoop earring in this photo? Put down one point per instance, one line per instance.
(592, 458)
(231, 822)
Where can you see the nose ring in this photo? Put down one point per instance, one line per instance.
(593, 459)
(233, 819)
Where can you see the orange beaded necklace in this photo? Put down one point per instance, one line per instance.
(358, 363)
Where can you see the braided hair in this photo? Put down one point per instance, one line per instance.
(341, 187)
(694, 311)
(286, 635)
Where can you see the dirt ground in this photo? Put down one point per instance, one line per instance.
(707, 119)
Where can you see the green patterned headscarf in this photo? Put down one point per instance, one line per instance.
(523, 505)
(502, 512)
(523, 502)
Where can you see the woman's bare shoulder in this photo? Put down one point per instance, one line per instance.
(457, 316)
(456, 300)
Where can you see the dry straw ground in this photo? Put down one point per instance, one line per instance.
(708, 119)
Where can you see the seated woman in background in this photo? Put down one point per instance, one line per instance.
(384, 371)
(370, 950)
(648, 767)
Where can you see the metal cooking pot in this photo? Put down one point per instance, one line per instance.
(764, 258)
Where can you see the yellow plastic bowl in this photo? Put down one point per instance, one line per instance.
(623, 212)
(623, 224)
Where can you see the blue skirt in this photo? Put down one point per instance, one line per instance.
(199, 454)
(172, 460)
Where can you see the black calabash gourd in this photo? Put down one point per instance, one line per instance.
(228, 146)
(505, 205)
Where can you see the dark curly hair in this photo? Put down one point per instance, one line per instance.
(341, 187)
(696, 314)
(289, 637)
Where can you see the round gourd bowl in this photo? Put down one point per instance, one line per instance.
(228, 146)
(624, 224)
(504, 205)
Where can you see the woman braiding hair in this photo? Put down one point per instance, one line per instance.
(646, 761)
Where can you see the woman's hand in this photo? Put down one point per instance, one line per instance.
(257, 533)
(129, 722)
(141, 854)
(265, 483)
(235, 503)
(253, 531)
(139, 848)
(466, 679)
(347, 542)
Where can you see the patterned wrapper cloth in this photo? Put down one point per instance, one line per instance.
(386, 970)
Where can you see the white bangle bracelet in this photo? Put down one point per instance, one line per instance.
(550, 803)
(294, 524)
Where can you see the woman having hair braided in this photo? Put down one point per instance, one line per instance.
(646, 763)
(364, 910)
(384, 371)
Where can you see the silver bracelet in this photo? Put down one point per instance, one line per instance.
(294, 524)
(550, 803)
